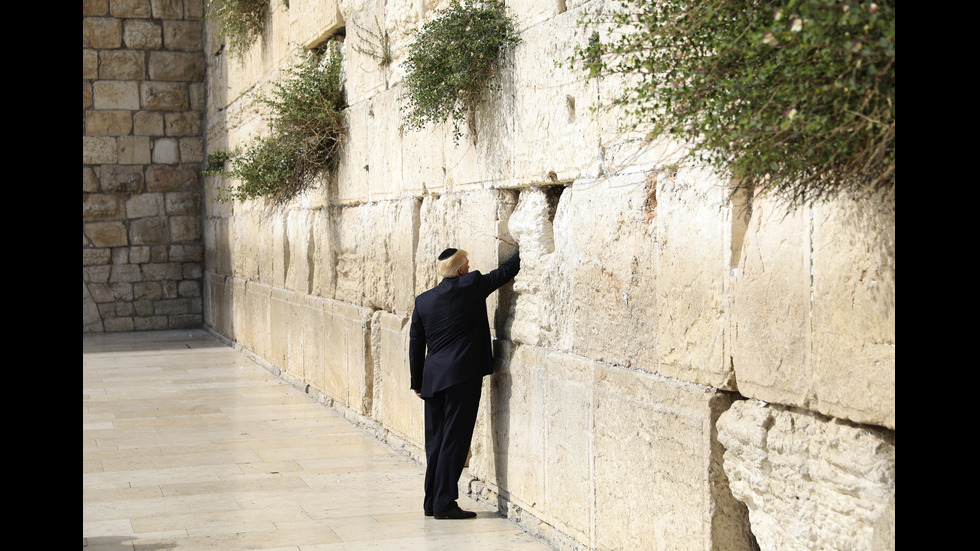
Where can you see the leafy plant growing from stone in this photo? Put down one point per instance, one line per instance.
(239, 21)
(794, 96)
(453, 62)
(308, 124)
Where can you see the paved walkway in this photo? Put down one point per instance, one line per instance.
(189, 445)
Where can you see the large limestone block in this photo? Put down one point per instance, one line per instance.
(528, 13)
(219, 303)
(610, 247)
(815, 309)
(771, 347)
(335, 339)
(313, 21)
(281, 330)
(395, 405)
(323, 270)
(810, 482)
(366, 46)
(694, 229)
(508, 448)
(423, 167)
(218, 245)
(256, 333)
(555, 132)
(658, 478)
(375, 252)
(263, 60)
(371, 162)
(483, 156)
(854, 310)
(298, 249)
(240, 314)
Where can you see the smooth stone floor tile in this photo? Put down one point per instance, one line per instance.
(189, 445)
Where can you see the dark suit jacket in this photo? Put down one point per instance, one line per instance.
(451, 320)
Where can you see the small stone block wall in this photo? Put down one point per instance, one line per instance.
(142, 151)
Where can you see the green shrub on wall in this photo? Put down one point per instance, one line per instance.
(453, 61)
(240, 22)
(794, 96)
(308, 124)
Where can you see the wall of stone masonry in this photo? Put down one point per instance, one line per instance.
(677, 368)
(143, 106)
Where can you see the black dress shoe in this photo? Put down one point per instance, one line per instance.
(456, 513)
(428, 512)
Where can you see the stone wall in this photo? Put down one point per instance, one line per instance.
(677, 367)
(143, 105)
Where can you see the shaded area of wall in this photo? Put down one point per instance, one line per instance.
(142, 152)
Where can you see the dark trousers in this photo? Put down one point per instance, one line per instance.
(450, 416)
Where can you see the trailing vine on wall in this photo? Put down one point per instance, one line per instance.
(308, 124)
(453, 61)
(793, 96)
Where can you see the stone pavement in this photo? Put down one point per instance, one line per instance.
(188, 444)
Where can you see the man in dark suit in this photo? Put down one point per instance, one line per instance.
(451, 321)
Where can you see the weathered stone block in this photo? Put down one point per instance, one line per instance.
(186, 123)
(322, 266)
(608, 246)
(219, 303)
(142, 34)
(122, 64)
(805, 284)
(166, 151)
(295, 254)
(148, 123)
(168, 9)
(395, 405)
(663, 429)
(98, 150)
(809, 482)
(106, 234)
(364, 49)
(145, 205)
(311, 22)
(108, 123)
(183, 202)
(165, 96)
(365, 173)
(92, 257)
(102, 207)
(534, 437)
(694, 230)
(100, 32)
(170, 178)
(130, 8)
(854, 310)
(149, 231)
(191, 150)
(116, 94)
(338, 352)
(95, 7)
(555, 133)
(185, 228)
(122, 179)
(134, 150)
(185, 36)
(176, 66)
(375, 252)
